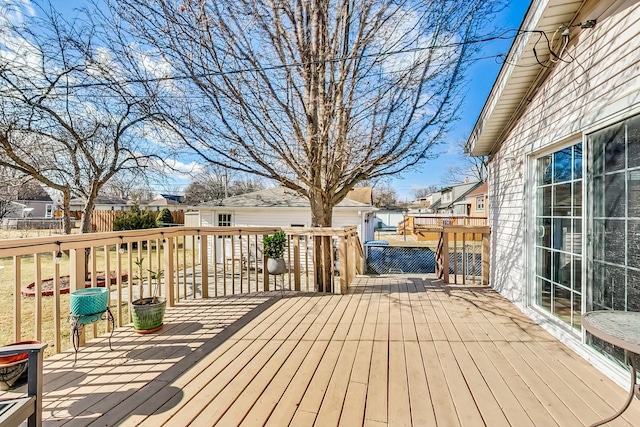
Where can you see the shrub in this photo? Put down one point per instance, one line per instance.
(274, 245)
(134, 219)
(164, 217)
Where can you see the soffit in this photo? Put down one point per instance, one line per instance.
(519, 75)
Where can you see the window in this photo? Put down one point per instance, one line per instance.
(480, 204)
(224, 220)
(48, 212)
(446, 197)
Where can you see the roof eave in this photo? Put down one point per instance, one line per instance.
(507, 97)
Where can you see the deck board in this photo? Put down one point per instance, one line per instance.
(395, 351)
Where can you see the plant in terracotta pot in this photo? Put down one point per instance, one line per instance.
(273, 247)
(148, 313)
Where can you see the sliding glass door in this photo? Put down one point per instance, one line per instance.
(616, 217)
(558, 245)
(611, 217)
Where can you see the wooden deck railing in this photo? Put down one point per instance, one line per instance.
(429, 227)
(198, 262)
(463, 254)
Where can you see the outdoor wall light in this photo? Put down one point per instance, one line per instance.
(58, 258)
(514, 161)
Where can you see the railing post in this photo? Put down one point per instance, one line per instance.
(37, 261)
(445, 255)
(56, 305)
(265, 275)
(485, 258)
(119, 321)
(107, 281)
(296, 262)
(351, 253)
(343, 260)
(17, 298)
(168, 270)
(204, 265)
(77, 274)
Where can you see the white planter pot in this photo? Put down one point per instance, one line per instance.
(276, 266)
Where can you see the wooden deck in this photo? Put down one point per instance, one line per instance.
(397, 351)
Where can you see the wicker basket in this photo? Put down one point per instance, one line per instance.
(147, 315)
(89, 301)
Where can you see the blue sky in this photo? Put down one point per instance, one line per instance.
(481, 76)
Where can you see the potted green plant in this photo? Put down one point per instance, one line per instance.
(148, 313)
(273, 247)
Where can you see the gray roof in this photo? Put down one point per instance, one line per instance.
(278, 197)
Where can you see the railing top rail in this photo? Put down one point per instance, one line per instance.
(466, 229)
(25, 246)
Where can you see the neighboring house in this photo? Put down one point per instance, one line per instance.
(562, 140)
(447, 201)
(33, 208)
(34, 202)
(477, 200)
(102, 203)
(424, 205)
(170, 201)
(452, 199)
(281, 207)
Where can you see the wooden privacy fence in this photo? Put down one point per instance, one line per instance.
(197, 262)
(102, 221)
(463, 254)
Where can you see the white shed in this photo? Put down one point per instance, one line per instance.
(281, 207)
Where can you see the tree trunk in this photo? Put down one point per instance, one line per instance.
(87, 212)
(322, 216)
(66, 209)
(85, 227)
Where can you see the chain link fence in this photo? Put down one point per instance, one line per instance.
(385, 259)
(382, 258)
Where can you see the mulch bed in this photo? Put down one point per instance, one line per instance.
(47, 284)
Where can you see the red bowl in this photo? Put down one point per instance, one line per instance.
(7, 360)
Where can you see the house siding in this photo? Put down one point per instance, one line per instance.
(602, 84)
(279, 217)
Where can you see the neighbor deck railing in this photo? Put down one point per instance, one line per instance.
(428, 227)
(198, 262)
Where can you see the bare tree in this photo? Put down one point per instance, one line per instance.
(12, 186)
(384, 195)
(199, 191)
(422, 192)
(128, 186)
(316, 95)
(217, 183)
(467, 168)
(70, 116)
